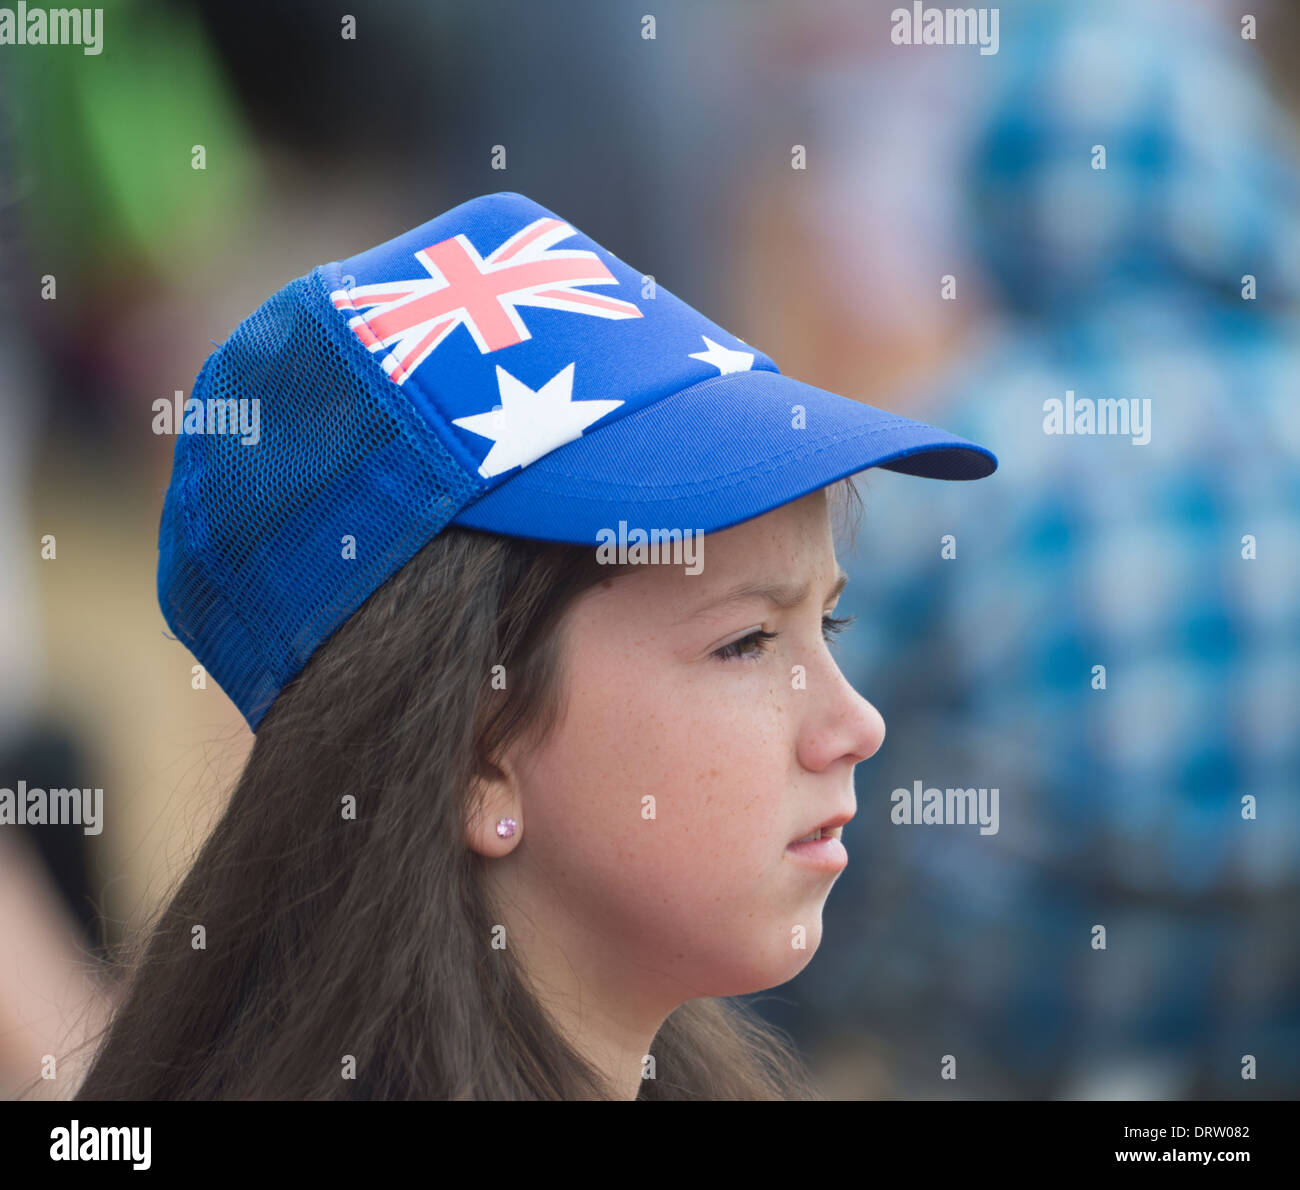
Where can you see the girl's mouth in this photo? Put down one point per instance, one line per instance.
(822, 849)
(822, 832)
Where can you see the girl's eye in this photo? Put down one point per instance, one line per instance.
(755, 644)
(833, 626)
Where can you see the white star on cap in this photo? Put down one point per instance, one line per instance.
(528, 424)
(723, 358)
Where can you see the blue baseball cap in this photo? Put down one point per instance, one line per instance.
(495, 369)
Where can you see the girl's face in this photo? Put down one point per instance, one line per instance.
(654, 821)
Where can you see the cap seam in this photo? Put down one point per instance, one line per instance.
(731, 479)
(439, 427)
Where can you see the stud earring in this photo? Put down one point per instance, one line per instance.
(506, 828)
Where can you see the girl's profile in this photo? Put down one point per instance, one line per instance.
(517, 823)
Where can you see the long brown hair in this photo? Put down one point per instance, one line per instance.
(329, 936)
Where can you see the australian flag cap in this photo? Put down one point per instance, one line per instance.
(495, 369)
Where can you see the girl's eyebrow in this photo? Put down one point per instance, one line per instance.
(780, 595)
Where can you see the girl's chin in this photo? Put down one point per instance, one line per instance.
(780, 967)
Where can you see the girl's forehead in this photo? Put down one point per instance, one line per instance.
(779, 559)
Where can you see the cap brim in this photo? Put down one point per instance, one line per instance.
(712, 456)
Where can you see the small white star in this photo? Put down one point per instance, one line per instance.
(723, 358)
(528, 424)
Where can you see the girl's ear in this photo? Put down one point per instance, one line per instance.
(494, 821)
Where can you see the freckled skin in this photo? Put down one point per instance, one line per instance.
(614, 910)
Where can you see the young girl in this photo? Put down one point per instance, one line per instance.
(523, 582)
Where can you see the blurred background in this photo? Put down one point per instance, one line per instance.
(947, 250)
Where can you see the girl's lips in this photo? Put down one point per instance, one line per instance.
(826, 854)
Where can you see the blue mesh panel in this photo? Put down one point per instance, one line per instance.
(341, 451)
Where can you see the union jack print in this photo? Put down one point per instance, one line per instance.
(407, 320)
